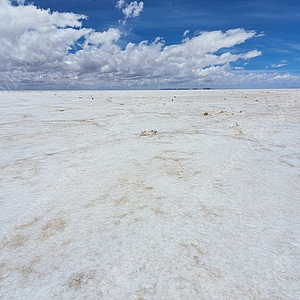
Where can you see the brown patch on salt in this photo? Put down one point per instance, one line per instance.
(17, 241)
(53, 227)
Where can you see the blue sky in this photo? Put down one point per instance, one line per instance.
(261, 52)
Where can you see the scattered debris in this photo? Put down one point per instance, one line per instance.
(60, 109)
(238, 132)
(148, 132)
(236, 129)
(222, 112)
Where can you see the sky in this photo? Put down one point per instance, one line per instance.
(150, 44)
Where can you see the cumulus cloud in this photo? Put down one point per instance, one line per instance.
(105, 37)
(33, 36)
(44, 49)
(130, 10)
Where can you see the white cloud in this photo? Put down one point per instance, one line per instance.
(282, 63)
(186, 33)
(120, 4)
(38, 51)
(130, 10)
(105, 37)
(32, 37)
(276, 66)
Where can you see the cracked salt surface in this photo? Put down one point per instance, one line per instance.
(207, 208)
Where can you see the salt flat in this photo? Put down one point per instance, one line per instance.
(206, 208)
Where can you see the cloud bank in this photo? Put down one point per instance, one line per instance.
(44, 49)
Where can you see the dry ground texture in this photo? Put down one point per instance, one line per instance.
(150, 194)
